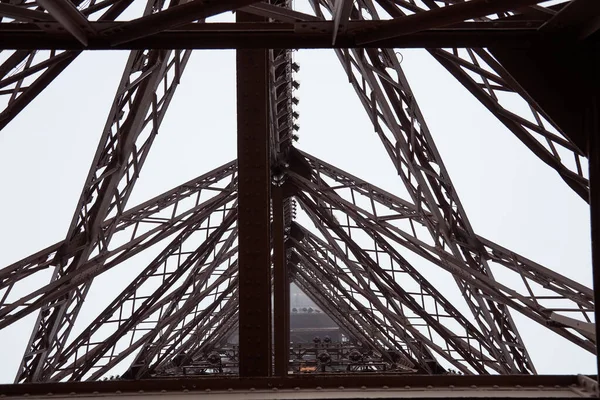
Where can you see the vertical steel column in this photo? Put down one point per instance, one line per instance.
(592, 123)
(592, 131)
(281, 286)
(253, 209)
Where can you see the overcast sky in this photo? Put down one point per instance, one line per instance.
(510, 196)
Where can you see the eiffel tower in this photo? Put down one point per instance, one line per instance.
(215, 298)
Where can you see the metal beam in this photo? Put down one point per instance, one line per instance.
(591, 123)
(325, 381)
(253, 218)
(281, 286)
(70, 18)
(279, 35)
(170, 18)
(440, 17)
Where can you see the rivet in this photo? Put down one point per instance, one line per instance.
(363, 387)
(540, 386)
(451, 386)
(252, 389)
(296, 388)
(94, 392)
(496, 386)
(429, 387)
(385, 387)
(163, 391)
(207, 390)
(518, 386)
(118, 392)
(341, 388)
(186, 390)
(473, 386)
(319, 388)
(406, 387)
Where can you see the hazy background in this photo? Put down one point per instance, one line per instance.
(510, 196)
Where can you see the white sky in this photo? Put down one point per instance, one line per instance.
(510, 196)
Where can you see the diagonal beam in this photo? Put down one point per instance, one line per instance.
(440, 17)
(341, 16)
(402, 304)
(131, 308)
(218, 323)
(227, 322)
(489, 82)
(536, 278)
(310, 273)
(536, 134)
(171, 330)
(65, 12)
(23, 86)
(405, 136)
(171, 17)
(355, 283)
(442, 308)
(278, 13)
(580, 18)
(15, 311)
(23, 14)
(136, 224)
(167, 337)
(401, 209)
(133, 123)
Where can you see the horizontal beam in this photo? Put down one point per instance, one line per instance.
(302, 382)
(277, 35)
(409, 392)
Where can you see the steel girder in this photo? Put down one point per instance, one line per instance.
(544, 291)
(494, 87)
(143, 96)
(375, 321)
(340, 272)
(475, 68)
(143, 225)
(404, 133)
(156, 303)
(25, 73)
(401, 307)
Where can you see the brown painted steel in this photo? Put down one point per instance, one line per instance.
(306, 381)
(440, 17)
(188, 301)
(254, 209)
(276, 35)
(281, 287)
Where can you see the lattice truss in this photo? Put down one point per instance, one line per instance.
(349, 245)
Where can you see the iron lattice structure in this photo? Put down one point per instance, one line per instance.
(233, 238)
